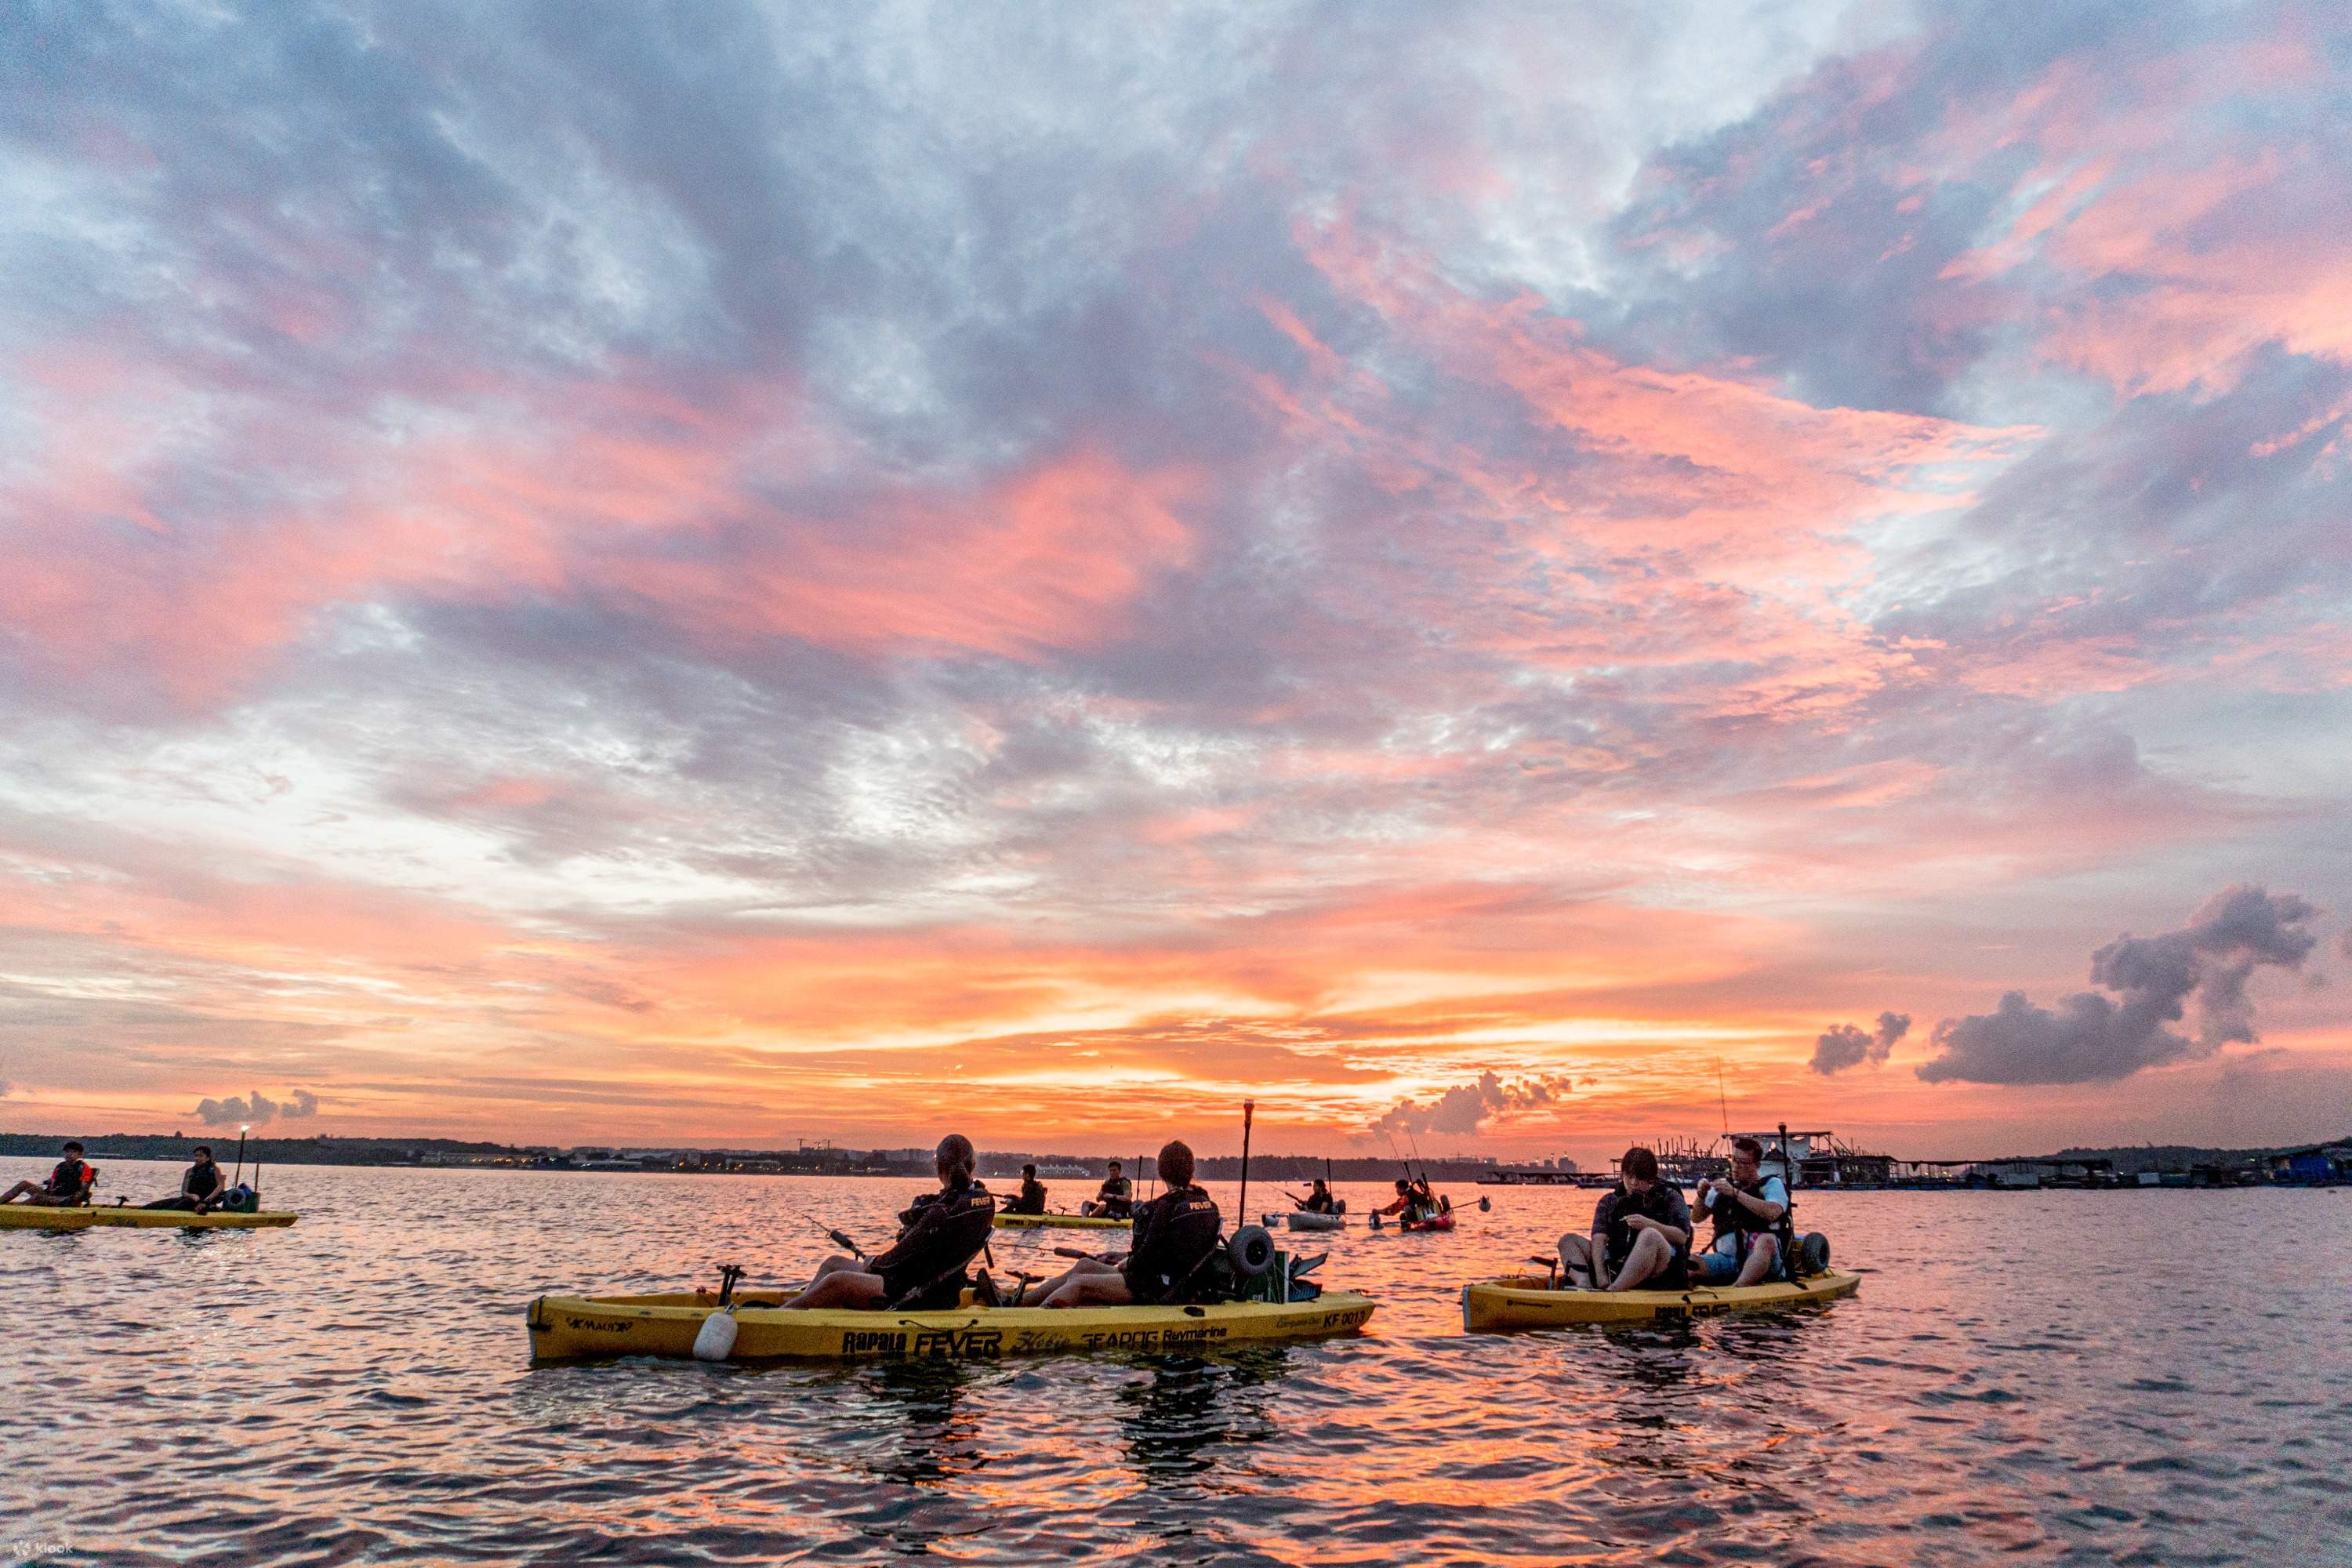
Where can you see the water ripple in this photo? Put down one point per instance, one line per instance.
(357, 1389)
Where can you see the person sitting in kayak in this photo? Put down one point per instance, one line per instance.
(1405, 1205)
(1432, 1205)
(939, 1237)
(1752, 1235)
(67, 1185)
(1641, 1233)
(1172, 1260)
(1318, 1199)
(200, 1189)
(1032, 1198)
(1410, 1204)
(1114, 1200)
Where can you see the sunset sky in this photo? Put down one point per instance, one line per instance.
(725, 574)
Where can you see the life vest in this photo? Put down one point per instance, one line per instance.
(946, 1231)
(70, 1176)
(1738, 1220)
(1175, 1237)
(1657, 1204)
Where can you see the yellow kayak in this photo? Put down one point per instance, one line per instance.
(563, 1327)
(17, 1216)
(181, 1219)
(1497, 1306)
(1059, 1222)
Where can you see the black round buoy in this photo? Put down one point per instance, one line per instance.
(1252, 1250)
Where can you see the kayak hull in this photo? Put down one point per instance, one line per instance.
(575, 1327)
(1502, 1306)
(1301, 1221)
(24, 1217)
(180, 1219)
(1059, 1222)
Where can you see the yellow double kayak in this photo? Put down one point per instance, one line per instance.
(1059, 1222)
(566, 1327)
(16, 1217)
(1498, 1306)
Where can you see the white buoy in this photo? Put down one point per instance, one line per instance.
(716, 1338)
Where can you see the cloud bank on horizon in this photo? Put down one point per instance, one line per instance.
(758, 568)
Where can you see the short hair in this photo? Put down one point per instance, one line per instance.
(954, 1155)
(203, 1148)
(73, 1148)
(1639, 1164)
(1030, 1169)
(1403, 1186)
(1176, 1163)
(1114, 1165)
(1749, 1147)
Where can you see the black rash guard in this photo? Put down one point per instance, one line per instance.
(1174, 1233)
(202, 1182)
(945, 1231)
(1116, 1198)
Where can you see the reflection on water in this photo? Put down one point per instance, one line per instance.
(1188, 1408)
(358, 1389)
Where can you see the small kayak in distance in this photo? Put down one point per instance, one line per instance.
(40, 1216)
(1299, 1219)
(1060, 1222)
(570, 1327)
(1499, 1306)
(15, 1216)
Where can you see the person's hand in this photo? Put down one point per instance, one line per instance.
(1639, 1222)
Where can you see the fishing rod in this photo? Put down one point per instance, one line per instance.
(837, 1239)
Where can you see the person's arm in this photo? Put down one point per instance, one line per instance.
(1763, 1210)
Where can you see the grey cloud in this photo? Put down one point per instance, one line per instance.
(1465, 1108)
(256, 1112)
(2091, 1038)
(300, 1104)
(1843, 1046)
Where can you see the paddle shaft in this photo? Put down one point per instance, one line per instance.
(1249, 1111)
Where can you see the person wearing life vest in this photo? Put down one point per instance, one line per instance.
(1319, 1199)
(1031, 1199)
(1753, 1240)
(1172, 1261)
(1114, 1200)
(201, 1188)
(1641, 1233)
(67, 1185)
(1410, 1204)
(939, 1237)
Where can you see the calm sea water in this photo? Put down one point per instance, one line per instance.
(2160, 1377)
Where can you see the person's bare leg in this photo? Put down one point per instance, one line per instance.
(1107, 1288)
(19, 1190)
(1576, 1257)
(1760, 1260)
(1650, 1258)
(841, 1288)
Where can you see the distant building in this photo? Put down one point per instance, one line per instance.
(2321, 1165)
